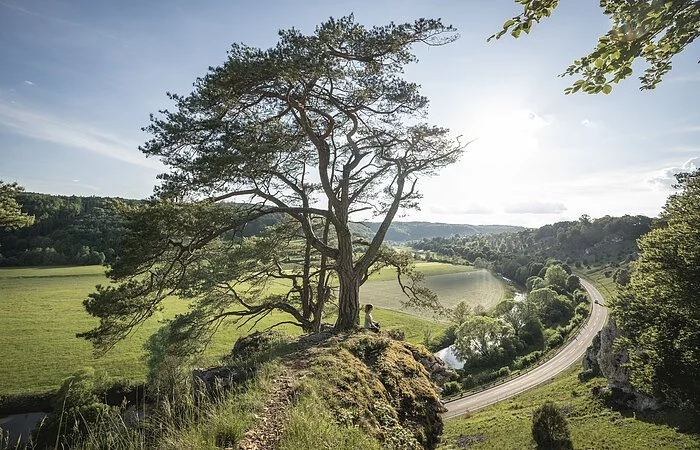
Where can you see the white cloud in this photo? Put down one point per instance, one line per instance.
(71, 134)
(457, 210)
(30, 83)
(689, 78)
(535, 207)
(685, 149)
(689, 129)
(665, 178)
(588, 123)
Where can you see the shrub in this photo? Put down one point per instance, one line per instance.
(503, 372)
(582, 309)
(549, 428)
(586, 375)
(76, 411)
(468, 382)
(451, 388)
(555, 340)
(524, 361)
(443, 340)
(484, 377)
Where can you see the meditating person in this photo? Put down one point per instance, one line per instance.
(370, 324)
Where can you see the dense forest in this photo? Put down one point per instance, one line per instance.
(74, 230)
(66, 230)
(521, 255)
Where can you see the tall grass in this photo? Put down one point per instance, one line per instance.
(185, 415)
(310, 425)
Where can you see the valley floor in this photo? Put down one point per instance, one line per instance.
(41, 311)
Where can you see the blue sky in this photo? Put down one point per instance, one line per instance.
(78, 80)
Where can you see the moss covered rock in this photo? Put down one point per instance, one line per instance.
(378, 384)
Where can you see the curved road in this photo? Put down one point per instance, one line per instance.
(570, 354)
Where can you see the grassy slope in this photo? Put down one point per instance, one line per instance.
(506, 425)
(596, 275)
(41, 311)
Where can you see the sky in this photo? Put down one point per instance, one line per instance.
(78, 80)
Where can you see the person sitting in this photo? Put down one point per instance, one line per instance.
(370, 324)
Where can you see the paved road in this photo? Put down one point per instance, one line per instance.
(570, 354)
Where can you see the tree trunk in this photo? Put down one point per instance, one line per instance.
(348, 302)
(349, 295)
(306, 290)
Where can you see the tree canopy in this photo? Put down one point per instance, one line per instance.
(11, 215)
(653, 30)
(482, 338)
(318, 128)
(659, 310)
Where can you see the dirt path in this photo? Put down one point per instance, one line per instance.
(266, 432)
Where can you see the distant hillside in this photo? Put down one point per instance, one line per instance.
(86, 230)
(586, 241)
(410, 231)
(75, 230)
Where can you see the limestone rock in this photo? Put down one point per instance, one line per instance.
(602, 359)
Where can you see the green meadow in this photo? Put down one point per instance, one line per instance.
(463, 283)
(41, 311)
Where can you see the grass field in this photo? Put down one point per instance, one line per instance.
(41, 311)
(593, 425)
(474, 286)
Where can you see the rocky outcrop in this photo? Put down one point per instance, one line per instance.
(602, 359)
(241, 363)
(387, 382)
(386, 387)
(440, 373)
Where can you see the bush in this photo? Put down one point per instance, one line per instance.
(484, 377)
(524, 361)
(503, 372)
(468, 382)
(451, 388)
(555, 340)
(582, 309)
(443, 340)
(76, 411)
(586, 375)
(549, 428)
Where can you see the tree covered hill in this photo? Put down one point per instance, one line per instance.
(410, 231)
(86, 230)
(521, 255)
(73, 230)
(66, 230)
